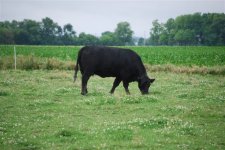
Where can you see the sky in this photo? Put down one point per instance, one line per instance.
(97, 16)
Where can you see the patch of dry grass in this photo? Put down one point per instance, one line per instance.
(214, 70)
(33, 63)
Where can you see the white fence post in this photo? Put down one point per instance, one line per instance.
(15, 56)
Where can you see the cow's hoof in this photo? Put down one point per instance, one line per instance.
(83, 93)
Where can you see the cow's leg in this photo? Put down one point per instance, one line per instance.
(115, 84)
(125, 85)
(85, 78)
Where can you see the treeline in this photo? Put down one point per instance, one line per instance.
(193, 29)
(48, 32)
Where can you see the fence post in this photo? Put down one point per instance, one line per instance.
(15, 56)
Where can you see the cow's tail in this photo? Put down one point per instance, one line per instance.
(76, 68)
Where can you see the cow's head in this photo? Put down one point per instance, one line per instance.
(144, 83)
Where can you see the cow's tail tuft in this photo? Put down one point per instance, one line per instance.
(75, 73)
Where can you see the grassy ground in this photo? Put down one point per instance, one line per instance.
(44, 110)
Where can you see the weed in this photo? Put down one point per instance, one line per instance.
(64, 133)
(3, 93)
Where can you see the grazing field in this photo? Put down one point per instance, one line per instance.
(44, 110)
(176, 55)
(41, 107)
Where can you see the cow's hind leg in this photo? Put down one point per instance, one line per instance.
(115, 84)
(125, 85)
(85, 78)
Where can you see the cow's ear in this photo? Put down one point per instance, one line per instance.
(152, 80)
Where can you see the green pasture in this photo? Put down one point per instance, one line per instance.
(45, 110)
(41, 107)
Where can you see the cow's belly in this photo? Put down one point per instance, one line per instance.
(106, 73)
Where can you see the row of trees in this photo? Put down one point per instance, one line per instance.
(193, 29)
(47, 32)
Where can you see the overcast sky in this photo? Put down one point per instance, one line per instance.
(97, 16)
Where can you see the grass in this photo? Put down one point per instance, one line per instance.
(44, 109)
(177, 55)
(41, 108)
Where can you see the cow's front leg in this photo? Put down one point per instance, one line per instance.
(85, 78)
(125, 85)
(115, 84)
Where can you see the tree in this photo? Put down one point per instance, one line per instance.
(191, 29)
(184, 37)
(6, 36)
(123, 33)
(69, 35)
(214, 29)
(48, 31)
(163, 38)
(22, 37)
(108, 38)
(191, 22)
(28, 32)
(170, 28)
(141, 41)
(7, 32)
(87, 39)
(155, 32)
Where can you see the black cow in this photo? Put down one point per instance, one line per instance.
(124, 64)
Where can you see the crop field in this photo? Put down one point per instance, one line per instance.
(43, 109)
(177, 55)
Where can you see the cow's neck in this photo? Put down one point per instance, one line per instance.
(141, 71)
